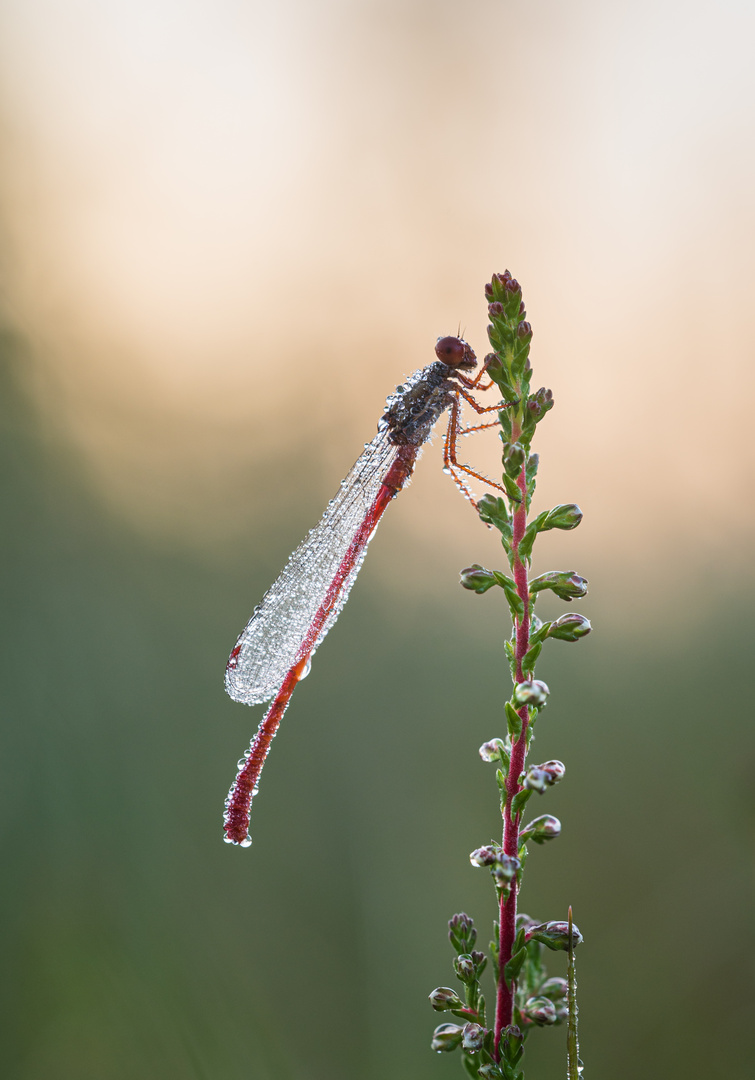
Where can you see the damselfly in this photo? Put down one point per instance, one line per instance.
(274, 651)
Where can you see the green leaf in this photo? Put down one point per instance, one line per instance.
(501, 781)
(509, 587)
(504, 416)
(519, 801)
(514, 721)
(530, 657)
(527, 542)
(540, 634)
(470, 1066)
(510, 650)
(514, 966)
(512, 488)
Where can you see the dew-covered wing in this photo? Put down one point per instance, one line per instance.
(267, 648)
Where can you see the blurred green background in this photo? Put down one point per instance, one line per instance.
(230, 230)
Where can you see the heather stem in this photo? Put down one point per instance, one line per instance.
(505, 991)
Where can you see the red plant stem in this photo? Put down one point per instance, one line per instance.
(505, 993)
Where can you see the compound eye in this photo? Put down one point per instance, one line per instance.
(451, 350)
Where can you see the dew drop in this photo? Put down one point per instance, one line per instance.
(227, 839)
(306, 669)
(246, 842)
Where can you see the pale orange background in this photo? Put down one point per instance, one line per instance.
(231, 228)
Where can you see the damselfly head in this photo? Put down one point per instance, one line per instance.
(455, 353)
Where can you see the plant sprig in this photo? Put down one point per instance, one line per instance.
(525, 997)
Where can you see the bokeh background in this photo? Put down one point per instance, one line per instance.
(229, 229)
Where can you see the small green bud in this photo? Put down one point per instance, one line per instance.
(493, 364)
(465, 968)
(555, 988)
(566, 584)
(477, 579)
(444, 998)
(493, 511)
(480, 962)
(446, 1037)
(512, 1044)
(491, 751)
(554, 934)
(570, 627)
(514, 455)
(540, 1010)
(461, 932)
(564, 516)
(540, 403)
(473, 1037)
(496, 290)
(532, 692)
(490, 1072)
(540, 829)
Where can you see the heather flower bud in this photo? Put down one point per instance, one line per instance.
(480, 961)
(492, 364)
(485, 856)
(570, 627)
(564, 516)
(461, 932)
(465, 968)
(540, 1010)
(539, 403)
(556, 770)
(535, 780)
(512, 1041)
(566, 584)
(554, 934)
(472, 1038)
(524, 331)
(491, 751)
(495, 309)
(555, 988)
(514, 455)
(540, 829)
(539, 777)
(477, 579)
(444, 998)
(525, 921)
(504, 870)
(446, 1037)
(490, 1072)
(532, 692)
